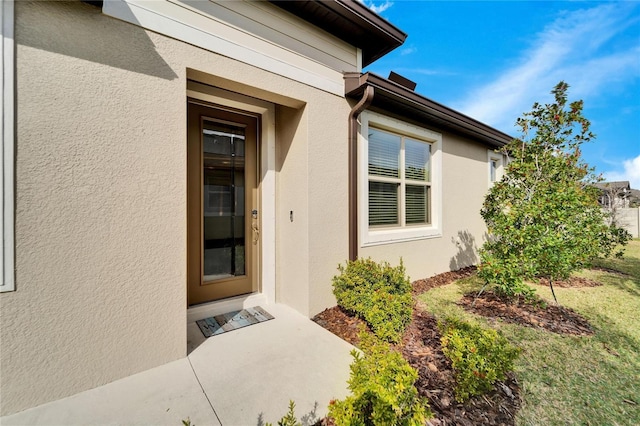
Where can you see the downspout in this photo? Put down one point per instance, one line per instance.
(367, 97)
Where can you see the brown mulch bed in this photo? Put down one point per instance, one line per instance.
(421, 347)
(554, 318)
(341, 323)
(420, 286)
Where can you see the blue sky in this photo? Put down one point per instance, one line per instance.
(493, 60)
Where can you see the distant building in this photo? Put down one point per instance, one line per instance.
(615, 194)
(634, 198)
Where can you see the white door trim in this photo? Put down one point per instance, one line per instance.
(7, 170)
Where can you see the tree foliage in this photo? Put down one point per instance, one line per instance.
(543, 217)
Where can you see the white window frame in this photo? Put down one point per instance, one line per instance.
(376, 236)
(498, 158)
(7, 163)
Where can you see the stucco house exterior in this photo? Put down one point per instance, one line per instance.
(162, 157)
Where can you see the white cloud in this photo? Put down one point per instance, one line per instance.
(424, 71)
(629, 170)
(408, 51)
(567, 49)
(377, 8)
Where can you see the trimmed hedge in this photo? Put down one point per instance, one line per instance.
(382, 389)
(479, 356)
(378, 293)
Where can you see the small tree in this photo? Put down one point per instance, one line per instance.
(543, 217)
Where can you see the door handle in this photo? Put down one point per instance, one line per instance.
(256, 233)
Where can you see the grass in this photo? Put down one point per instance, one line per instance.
(574, 380)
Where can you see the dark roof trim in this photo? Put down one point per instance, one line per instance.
(392, 97)
(616, 185)
(97, 3)
(350, 21)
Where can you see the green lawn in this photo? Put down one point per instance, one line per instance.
(575, 380)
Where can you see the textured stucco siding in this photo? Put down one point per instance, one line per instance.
(101, 198)
(282, 29)
(328, 205)
(464, 185)
(629, 219)
(312, 202)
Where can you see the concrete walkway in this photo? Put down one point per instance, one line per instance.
(243, 377)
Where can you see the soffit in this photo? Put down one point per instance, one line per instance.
(350, 21)
(400, 101)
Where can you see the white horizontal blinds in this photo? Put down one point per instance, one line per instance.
(383, 203)
(384, 178)
(416, 165)
(416, 159)
(399, 180)
(417, 203)
(384, 154)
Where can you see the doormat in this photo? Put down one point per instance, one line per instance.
(232, 321)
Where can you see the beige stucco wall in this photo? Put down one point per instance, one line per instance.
(465, 182)
(292, 248)
(101, 200)
(328, 204)
(312, 203)
(629, 219)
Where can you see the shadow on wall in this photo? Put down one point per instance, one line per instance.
(467, 255)
(92, 37)
(288, 125)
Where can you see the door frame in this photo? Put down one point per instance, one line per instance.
(265, 111)
(201, 288)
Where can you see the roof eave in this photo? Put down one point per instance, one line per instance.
(350, 21)
(422, 109)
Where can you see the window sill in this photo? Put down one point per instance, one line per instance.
(376, 238)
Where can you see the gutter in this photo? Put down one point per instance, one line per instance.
(391, 96)
(351, 21)
(367, 98)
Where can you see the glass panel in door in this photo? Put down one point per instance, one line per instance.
(223, 200)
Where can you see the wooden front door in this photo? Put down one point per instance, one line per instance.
(222, 205)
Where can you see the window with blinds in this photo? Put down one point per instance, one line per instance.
(399, 180)
(495, 166)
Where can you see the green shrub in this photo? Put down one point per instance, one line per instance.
(290, 418)
(382, 387)
(479, 356)
(378, 293)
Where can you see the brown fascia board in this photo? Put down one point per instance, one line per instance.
(350, 21)
(392, 97)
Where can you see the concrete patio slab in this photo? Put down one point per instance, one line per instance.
(164, 395)
(243, 377)
(251, 374)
